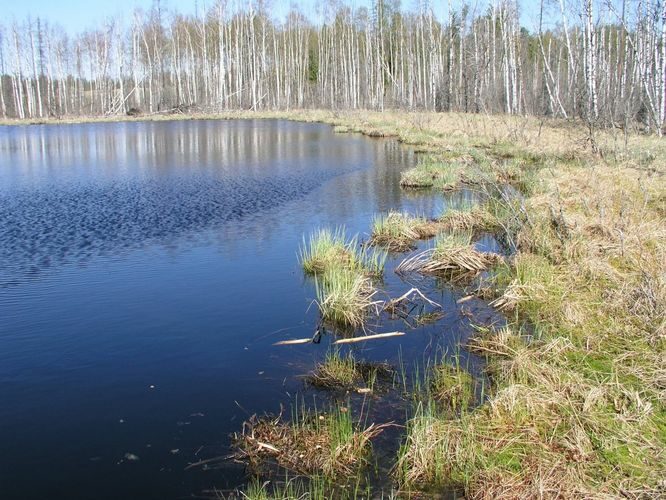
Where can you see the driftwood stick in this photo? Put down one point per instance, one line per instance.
(363, 338)
(207, 461)
(294, 341)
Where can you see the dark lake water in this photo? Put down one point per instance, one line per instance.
(146, 269)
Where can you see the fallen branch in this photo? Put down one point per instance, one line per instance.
(394, 302)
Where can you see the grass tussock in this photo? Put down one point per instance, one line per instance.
(453, 254)
(330, 444)
(329, 250)
(289, 490)
(433, 173)
(345, 297)
(336, 372)
(397, 231)
(344, 273)
(314, 487)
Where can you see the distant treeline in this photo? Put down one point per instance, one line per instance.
(603, 61)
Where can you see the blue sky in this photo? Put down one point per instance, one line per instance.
(78, 15)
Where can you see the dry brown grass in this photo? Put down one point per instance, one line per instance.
(547, 432)
(472, 219)
(576, 408)
(452, 254)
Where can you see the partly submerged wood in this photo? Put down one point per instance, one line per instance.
(294, 341)
(363, 338)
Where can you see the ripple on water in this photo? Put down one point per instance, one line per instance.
(42, 228)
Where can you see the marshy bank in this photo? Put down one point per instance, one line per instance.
(572, 396)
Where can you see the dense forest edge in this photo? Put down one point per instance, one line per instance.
(603, 62)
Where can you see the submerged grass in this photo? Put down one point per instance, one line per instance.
(394, 231)
(452, 386)
(340, 372)
(441, 384)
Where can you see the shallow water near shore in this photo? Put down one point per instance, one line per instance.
(146, 269)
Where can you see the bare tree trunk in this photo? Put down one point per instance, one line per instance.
(662, 73)
(18, 77)
(35, 75)
(591, 63)
(3, 72)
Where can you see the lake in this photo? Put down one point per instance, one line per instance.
(147, 268)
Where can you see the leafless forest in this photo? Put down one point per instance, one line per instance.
(603, 61)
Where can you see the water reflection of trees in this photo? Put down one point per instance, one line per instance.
(157, 147)
(71, 193)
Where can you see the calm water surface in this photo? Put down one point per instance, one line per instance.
(145, 271)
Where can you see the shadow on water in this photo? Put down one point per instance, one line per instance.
(146, 269)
